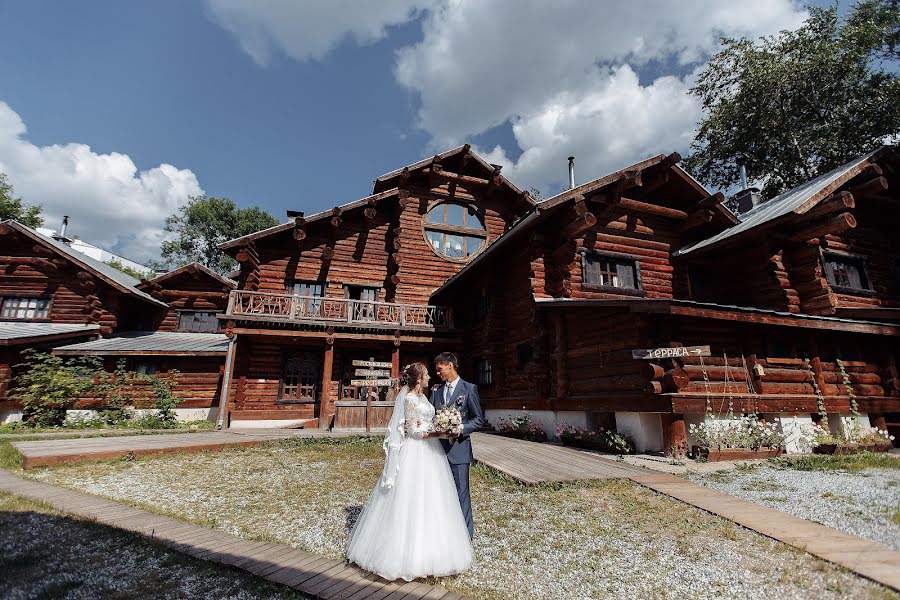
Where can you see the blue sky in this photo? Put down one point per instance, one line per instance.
(114, 112)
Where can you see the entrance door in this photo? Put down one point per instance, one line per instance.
(302, 377)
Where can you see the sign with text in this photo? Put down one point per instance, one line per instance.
(372, 382)
(372, 373)
(372, 364)
(674, 352)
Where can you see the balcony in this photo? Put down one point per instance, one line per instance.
(316, 310)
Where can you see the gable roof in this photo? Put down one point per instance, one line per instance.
(112, 276)
(798, 200)
(388, 179)
(325, 214)
(191, 268)
(552, 204)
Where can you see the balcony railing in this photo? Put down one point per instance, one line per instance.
(289, 307)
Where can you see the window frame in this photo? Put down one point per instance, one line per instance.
(46, 312)
(483, 371)
(616, 258)
(465, 231)
(300, 356)
(857, 260)
(213, 313)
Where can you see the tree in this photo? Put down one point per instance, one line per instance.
(799, 104)
(14, 208)
(204, 223)
(118, 264)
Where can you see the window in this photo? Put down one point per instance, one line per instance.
(198, 321)
(454, 231)
(611, 272)
(524, 354)
(701, 280)
(146, 368)
(301, 376)
(484, 373)
(309, 306)
(25, 308)
(846, 272)
(366, 297)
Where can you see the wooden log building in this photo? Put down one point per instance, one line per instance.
(52, 295)
(791, 296)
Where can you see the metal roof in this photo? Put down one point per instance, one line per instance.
(194, 266)
(12, 332)
(118, 279)
(159, 342)
(797, 200)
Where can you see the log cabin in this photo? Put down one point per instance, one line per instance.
(793, 296)
(353, 284)
(51, 294)
(184, 336)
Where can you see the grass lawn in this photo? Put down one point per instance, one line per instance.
(47, 554)
(602, 539)
(97, 425)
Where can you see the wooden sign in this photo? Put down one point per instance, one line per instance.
(372, 373)
(372, 382)
(372, 364)
(674, 352)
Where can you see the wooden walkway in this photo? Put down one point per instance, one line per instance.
(41, 453)
(534, 463)
(307, 573)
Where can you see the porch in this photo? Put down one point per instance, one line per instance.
(291, 308)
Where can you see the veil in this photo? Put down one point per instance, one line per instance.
(393, 440)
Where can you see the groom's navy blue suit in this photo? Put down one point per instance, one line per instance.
(459, 452)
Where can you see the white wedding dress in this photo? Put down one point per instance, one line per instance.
(412, 525)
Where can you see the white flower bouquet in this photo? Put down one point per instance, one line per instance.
(448, 420)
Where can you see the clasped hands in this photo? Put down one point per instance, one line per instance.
(442, 435)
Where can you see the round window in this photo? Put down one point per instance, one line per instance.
(454, 231)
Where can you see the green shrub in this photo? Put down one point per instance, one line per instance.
(48, 385)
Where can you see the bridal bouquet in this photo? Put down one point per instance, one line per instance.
(448, 420)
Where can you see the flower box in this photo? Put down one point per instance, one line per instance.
(528, 436)
(717, 454)
(839, 450)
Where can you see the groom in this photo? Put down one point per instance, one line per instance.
(464, 396)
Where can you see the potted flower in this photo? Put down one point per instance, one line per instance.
(604, 440)
(522, 427)
(737, 438)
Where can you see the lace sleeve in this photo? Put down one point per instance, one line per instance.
(415, 426)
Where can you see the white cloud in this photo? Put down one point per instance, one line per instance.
(308, 30)
(110, 202)
(563, 74)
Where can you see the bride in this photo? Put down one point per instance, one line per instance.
(412, 525)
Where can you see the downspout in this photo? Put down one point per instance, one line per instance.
(226, 382)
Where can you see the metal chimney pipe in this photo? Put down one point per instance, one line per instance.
(743, 175)
(65, 224)
(571, 172)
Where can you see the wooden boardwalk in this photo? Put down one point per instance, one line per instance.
(534, 463)
(307, 573)
(41, 453)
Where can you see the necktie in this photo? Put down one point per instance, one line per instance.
(449, 389)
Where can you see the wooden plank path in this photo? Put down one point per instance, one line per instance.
(307, 573)
(41, 453)
(532, 463)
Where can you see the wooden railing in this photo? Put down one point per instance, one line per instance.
(289, 307)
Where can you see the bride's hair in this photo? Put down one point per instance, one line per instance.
(412, 374)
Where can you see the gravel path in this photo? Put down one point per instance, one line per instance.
(591, 540)
(864, 503)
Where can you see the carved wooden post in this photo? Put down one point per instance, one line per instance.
(395, 360)
(325, 396)
(675, 439)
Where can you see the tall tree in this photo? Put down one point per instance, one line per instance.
(14, 208)
(796, 105)
(204, 223)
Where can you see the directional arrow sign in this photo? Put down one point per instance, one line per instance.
(372, 373)
(372, 364)
(372, 382)
(674, 352)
